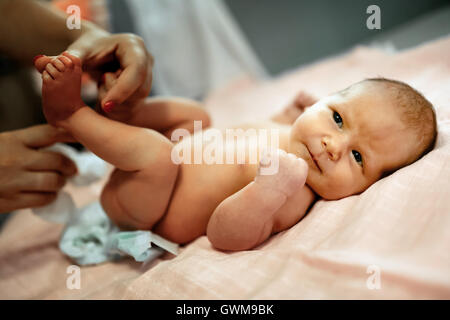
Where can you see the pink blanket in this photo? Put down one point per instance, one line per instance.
(391, 242)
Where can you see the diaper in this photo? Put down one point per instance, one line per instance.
(89, 236)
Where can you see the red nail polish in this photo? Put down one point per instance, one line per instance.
(37, 57)
(109, 106)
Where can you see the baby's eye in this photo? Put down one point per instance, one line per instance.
(357, 156)
(337, 118)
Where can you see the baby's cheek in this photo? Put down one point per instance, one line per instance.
(339, 184)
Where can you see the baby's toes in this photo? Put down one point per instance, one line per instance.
(41, 61)
(47, 79)
(66, 61)
(58, 64)
(52, 71)
(75, 60)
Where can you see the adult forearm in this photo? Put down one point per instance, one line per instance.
(29, 28)
(81, 44)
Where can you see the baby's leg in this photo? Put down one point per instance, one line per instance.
(139, 191)
(162, 114)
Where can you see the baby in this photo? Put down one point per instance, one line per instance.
(337, 147)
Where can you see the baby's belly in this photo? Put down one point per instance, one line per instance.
(201, 187)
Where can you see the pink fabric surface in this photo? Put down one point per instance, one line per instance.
(399, 225)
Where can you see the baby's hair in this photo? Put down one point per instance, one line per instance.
(415, 110)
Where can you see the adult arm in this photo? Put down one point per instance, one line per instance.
(29, 28)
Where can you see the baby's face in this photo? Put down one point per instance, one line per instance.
(349, 141)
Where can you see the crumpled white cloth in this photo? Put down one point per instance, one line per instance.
(90, 237)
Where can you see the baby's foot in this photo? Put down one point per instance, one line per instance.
(289, 175)
(61, 87)
(41, 61)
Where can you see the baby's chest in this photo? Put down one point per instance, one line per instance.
(210, 175)
(213, 166)
(203, 186)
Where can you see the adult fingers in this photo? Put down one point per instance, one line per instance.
(23, 181)
(128, 82)
(44, 160)
(135, 63)
(41, 182)
(43, 135)
(26, 200)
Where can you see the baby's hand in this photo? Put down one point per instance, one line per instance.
(290, 175)
(293, 110)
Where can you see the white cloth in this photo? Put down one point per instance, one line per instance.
(89, 236)
(196, 44)
(90, 169)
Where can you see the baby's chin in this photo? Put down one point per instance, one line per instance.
(324, 194)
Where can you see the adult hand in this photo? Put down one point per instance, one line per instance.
(133, 60)
(102, 52)
(30, 177)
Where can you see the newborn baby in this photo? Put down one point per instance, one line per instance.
(337, 147)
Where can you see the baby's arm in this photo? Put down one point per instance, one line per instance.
(248, 217)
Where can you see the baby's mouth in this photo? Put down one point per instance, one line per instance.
(313, 159)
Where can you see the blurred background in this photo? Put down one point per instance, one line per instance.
(289, 33)
(200, 45)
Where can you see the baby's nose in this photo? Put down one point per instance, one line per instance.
(332, 148)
